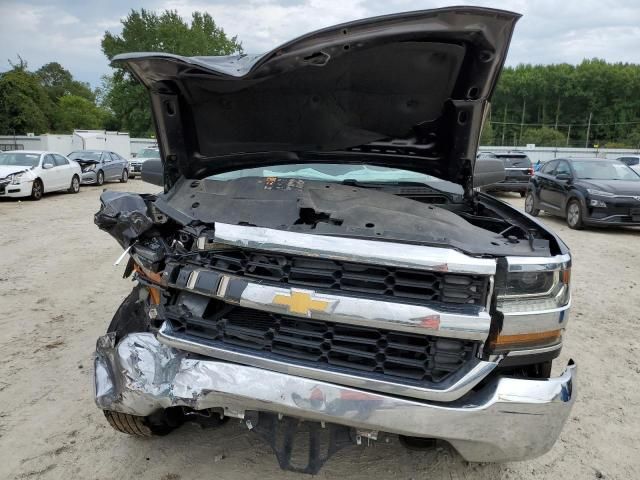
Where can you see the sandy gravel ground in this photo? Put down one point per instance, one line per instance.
(58, 291)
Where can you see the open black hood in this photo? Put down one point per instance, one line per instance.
(406, 90)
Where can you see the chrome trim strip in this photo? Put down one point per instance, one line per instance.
(450, 389)
(536, 321)
(351, 250)
(469, 322)
(534, 351)
(537, 264)
(490, 292)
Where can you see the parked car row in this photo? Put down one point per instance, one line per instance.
(584, 191)
(32, 173)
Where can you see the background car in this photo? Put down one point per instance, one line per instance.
(135, 164)
(31, 173)
(518, 171)
(586, 191)
(632, 161)
(99, 166)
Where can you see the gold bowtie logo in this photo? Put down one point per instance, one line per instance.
(301, 302)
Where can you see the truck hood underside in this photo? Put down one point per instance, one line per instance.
(406, 90)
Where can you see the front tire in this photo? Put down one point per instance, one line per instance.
(125, 176)
(100, 178)
(132, 318)
(137, 426)
(37, 190)
(529, 205)
(75, 184)
(575, 215)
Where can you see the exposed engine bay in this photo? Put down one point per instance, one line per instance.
(414, 214)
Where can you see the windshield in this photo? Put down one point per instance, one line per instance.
(341, 173)
(604, 170)
(85, 155)
(149, 153)
(20, 159)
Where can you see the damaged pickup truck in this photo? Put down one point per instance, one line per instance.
(320, 264)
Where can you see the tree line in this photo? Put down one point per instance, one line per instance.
(51, 100)
(593, 103)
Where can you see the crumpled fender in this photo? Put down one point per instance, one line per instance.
(124, 216)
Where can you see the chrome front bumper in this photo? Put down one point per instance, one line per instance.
(507, 419)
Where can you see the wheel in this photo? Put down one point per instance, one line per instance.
(125, 176)
(37, 189)
(75, 185)
(574, 215)
(529, 205)
(523, 194)
(100, 177)
(130, 318)
(151, 426)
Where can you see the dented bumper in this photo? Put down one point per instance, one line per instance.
(507, 419)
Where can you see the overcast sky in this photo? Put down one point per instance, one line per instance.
(69, 31)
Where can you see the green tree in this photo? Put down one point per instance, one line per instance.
(145, 31)
(543, 137)
(76, 112)
(24, 104)
(487, 134)
(58, 81)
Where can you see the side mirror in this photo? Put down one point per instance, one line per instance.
(488, 171)
(563, 177)
(47, 166)
(152, 171)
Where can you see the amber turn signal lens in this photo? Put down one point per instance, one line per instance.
(525, 340)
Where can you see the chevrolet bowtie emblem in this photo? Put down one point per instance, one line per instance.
(302, 302)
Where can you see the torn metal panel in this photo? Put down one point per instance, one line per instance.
(508, 419)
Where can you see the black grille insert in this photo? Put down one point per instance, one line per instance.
(395, 355)
(307, 272)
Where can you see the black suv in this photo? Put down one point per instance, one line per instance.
(518, 171)
(586, 191)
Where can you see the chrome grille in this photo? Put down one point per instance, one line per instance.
(432, 286)
(369, 351)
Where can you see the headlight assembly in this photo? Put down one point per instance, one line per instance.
(533, 297)
(533, 291)
(600, 193)
(16, 178)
